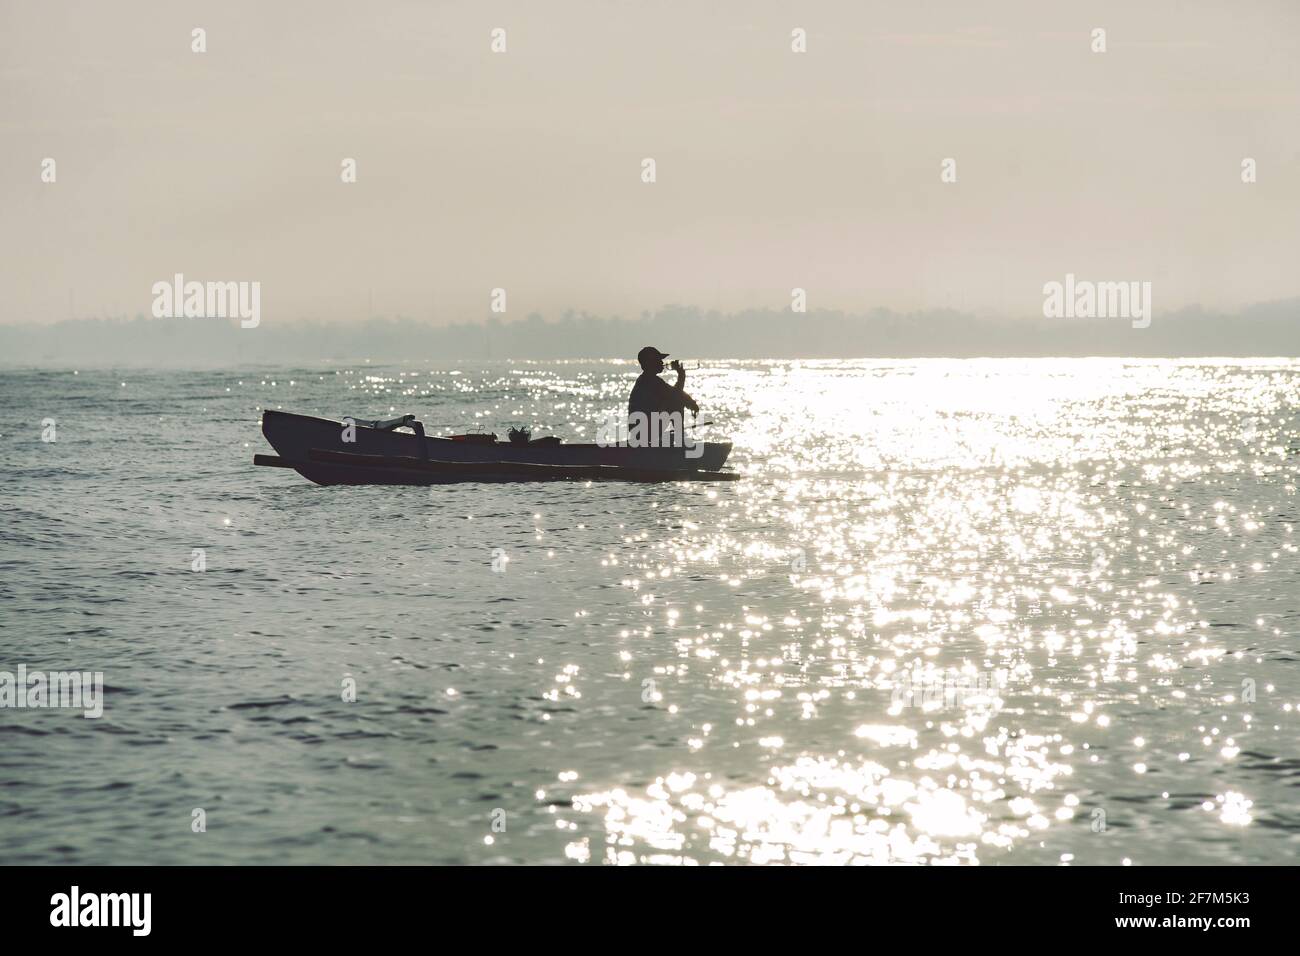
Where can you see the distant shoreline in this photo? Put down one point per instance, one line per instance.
(1267, 329)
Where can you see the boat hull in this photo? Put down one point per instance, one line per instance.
(314, 447)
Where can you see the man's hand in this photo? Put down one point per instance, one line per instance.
(676, 365)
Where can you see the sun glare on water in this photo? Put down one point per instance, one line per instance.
(942, 604)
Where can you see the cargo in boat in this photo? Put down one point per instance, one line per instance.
(381, 454)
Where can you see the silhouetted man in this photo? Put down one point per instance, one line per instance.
(652, 394)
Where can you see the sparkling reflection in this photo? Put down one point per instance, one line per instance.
(958, 613)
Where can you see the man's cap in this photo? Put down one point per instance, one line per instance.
(650, 352)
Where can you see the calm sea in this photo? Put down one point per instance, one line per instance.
(993, 611)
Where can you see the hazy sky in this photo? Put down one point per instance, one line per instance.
(522, 170)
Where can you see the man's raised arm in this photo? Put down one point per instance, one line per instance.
(679, 386)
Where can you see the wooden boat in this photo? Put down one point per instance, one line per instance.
(379, 454)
